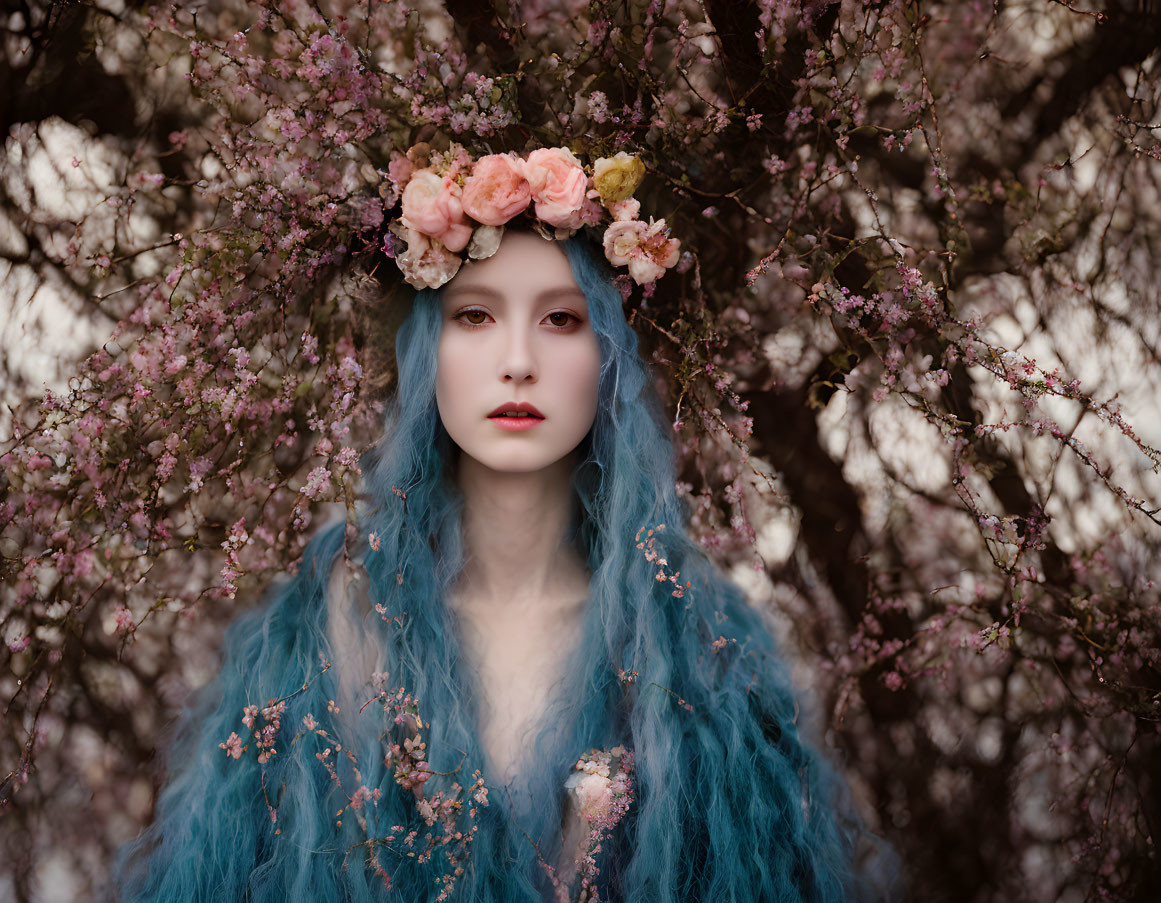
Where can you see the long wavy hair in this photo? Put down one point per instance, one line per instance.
(731, 803)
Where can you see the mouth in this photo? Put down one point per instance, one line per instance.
(515, 418)
(513, 411)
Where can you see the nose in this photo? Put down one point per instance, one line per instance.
(518, 360)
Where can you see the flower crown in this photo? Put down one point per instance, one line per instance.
(452, 204)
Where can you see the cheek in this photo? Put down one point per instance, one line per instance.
(581, 373)
(452, 380)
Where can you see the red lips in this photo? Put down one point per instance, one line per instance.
(521, 408)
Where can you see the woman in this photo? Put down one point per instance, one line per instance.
(590, 709)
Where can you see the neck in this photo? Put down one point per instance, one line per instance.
(515, 528)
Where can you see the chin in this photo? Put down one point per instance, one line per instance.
(518, 457)
(510, 463)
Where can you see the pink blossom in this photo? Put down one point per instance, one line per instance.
(318, 481)
(125, 622)
(626, 210)
(232, 746)
(497, 190)
(360, 796)
(432, 206)
(622, 239)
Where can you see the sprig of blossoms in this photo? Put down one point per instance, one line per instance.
(443, 810)
(647, 546)
(600, 792)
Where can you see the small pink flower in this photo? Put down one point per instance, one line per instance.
(625, 210)
(399, 170)
(432, 206)
(497, 190)
(558, 184)
(125, 622)
(360, 796)
(232, 746)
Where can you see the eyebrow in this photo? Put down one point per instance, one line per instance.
(546, 295)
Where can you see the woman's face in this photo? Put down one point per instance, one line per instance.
(516, 336)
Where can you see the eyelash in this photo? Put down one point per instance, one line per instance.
(463, 314)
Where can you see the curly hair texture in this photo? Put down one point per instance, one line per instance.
(731, 802)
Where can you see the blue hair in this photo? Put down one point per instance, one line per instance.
(731, 803)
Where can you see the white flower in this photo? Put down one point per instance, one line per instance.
(593, 793)
(426, 263)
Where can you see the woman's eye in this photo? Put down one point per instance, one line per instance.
(472, 317)
(560, 319)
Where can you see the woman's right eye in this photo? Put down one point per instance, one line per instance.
(472, 317)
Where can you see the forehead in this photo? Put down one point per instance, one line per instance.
(524, 265)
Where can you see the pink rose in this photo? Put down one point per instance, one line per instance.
(558, 183)
(496, 191)
(432, 205)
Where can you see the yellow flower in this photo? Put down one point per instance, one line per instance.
(616, 178)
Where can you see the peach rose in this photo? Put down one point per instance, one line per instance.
(647, 249)
(432, 205)
(621, 240)
(496, 191)
(558, 184)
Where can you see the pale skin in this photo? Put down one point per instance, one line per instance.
(516, 329)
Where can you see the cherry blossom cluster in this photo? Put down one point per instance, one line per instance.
(646, 542)
(601, 792)
(452, 204)
(451, 811)
(263, 737)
